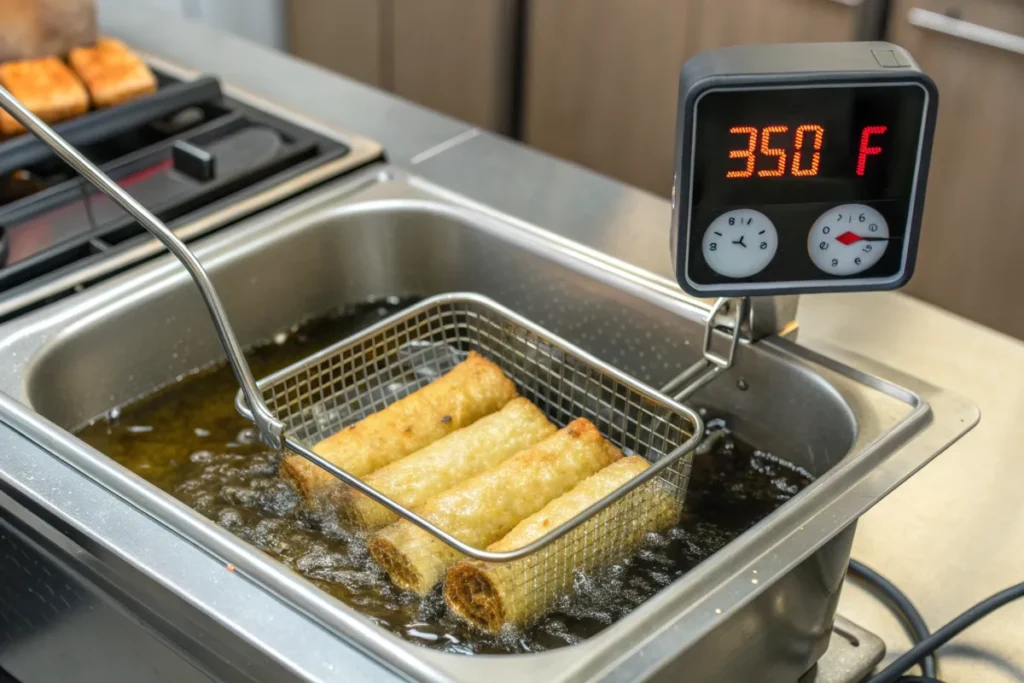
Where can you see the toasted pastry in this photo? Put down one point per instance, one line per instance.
(47, 87)
(112, 72)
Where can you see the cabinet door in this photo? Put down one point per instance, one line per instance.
(738, 22)
(456, 56)
(971, 258)
(342, 35)
(601, 84)
(602, 75)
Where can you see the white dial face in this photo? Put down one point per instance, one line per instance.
(740, 243)
(848, 239)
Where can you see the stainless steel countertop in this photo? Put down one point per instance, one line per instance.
(949, 537)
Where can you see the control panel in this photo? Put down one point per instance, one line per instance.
(800, 168)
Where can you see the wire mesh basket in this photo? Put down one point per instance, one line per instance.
(365, 373)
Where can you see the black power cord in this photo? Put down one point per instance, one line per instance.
(903, 606)
(893, 672)
(925, 643)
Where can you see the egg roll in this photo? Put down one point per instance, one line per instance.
(490, 595)
(429, 471)
(472, 389)
(482, 509)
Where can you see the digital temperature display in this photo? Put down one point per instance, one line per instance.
(788, 146)
(806, 161)
(800, 168)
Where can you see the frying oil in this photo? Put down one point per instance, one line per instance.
(188, 440)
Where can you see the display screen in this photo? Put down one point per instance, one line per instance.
(817, 144)
(790, 155)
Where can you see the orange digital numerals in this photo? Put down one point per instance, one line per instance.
(816, 132)
(748, 152)
(798, 146)
(767, 151)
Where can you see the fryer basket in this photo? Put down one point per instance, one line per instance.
(318, 396)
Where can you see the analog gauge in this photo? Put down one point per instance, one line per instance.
(848, 239)
(740, 243)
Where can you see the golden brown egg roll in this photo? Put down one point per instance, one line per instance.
(429, 471)
(481, 510)
(472, 389)
(490, 595)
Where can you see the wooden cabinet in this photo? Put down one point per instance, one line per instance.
(342, 35)
(601, 84)
(602, 75)
(971, 258)
(737, 22)
(453, 56)
(456, 56)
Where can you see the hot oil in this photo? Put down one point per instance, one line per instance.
(188, 440)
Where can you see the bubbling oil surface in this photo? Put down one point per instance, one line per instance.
(188, 440)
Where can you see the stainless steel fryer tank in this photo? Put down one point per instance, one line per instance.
(760, 609)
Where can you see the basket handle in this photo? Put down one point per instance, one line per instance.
(271, 429)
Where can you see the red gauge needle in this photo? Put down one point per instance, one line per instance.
(848, 238)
